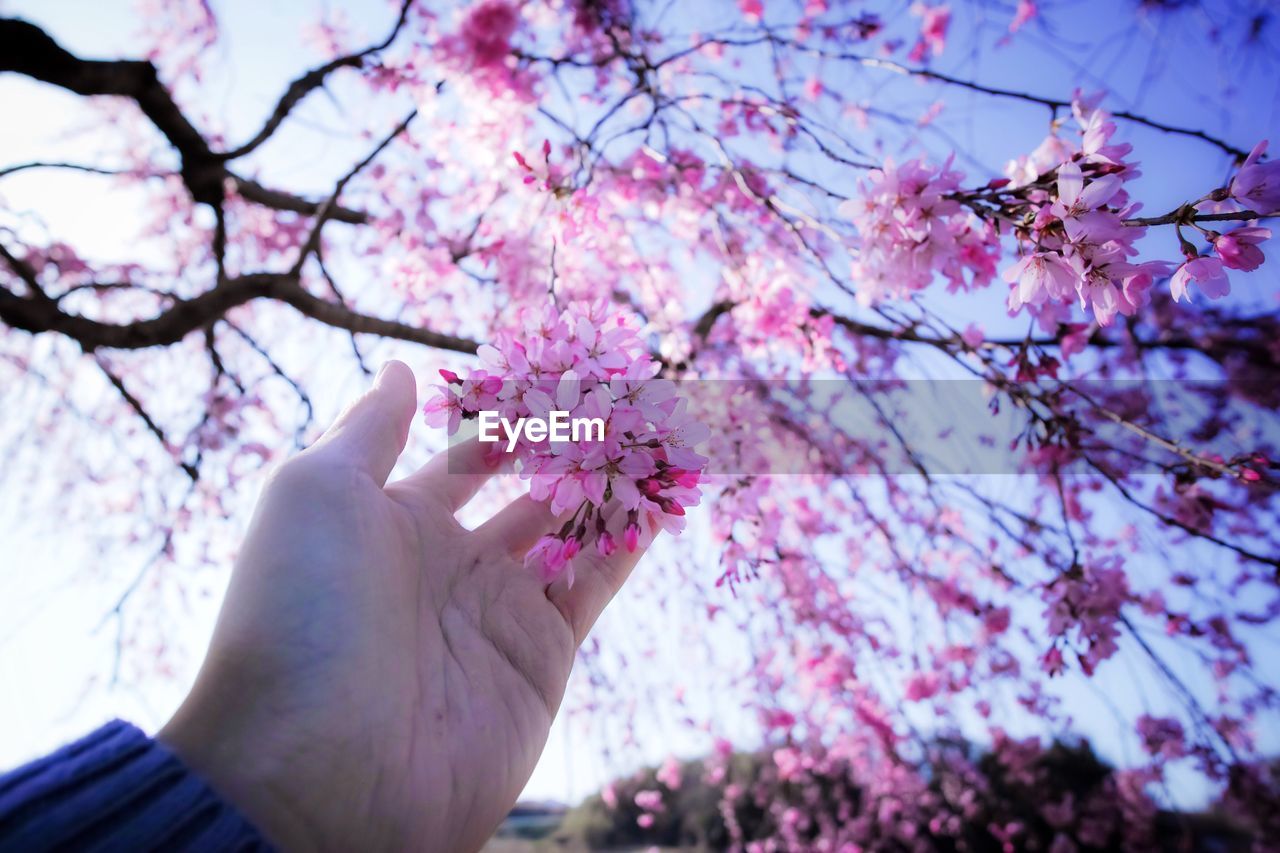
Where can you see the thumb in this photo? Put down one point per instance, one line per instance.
(371, 432)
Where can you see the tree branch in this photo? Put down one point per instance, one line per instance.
(253, 191)
(136, 405)
(37, 314)
(308, 83)
(27, 49)
(937, 76)
(326, 209)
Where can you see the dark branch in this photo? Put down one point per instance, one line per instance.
(326, 209)
(75, 167)
(40, 314)
(27, 49)
(308, 83)
(1180, 217)
(937, 76)
(1051, 103)
(136, 405)
(253, 191)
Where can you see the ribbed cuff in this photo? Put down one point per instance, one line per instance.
(117, 789)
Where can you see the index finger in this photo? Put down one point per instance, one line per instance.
(454, 475)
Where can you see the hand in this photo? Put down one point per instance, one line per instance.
(379, 677)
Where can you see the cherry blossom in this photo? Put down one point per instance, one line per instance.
(1257, 184)
(1207, 274)
(637, 480)
(1238, 248)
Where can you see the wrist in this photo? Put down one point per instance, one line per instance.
(239, 759)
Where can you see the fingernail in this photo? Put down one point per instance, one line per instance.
(382, 371)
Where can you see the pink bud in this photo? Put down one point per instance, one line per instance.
(546, 148)
(450, 377)
(605, 544)
(570, 549)
(1239, 249)
(545, 558)
(631, 537)
(520, 159)
(1249, 475)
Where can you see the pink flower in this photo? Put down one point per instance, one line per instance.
(1239, 250)
(443, 407)
(933, 30)
(487, 31)
(1257, 185)
(789, 762)
(546, 558)
(1041, 276)
(1077, 200)
(605, 544)
(1162, 736)
(1025, 11)
(1206, 273)
(650, 800)
(996, 621)
(911, 229)
(973, 336)
(586, 360)
(1089, 606)
(752, 10)
(1052, 662)
(669, 773)
(922, 686)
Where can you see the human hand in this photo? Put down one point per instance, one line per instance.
(379, 677)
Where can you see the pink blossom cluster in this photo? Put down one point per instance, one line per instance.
(1088, 601)
(1256, 188)
(482, 46)
(1074, 223)
(588, 361)
(911, 225)
(1077, 234)
(1076, 244)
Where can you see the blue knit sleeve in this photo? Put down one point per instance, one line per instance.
(117, 789)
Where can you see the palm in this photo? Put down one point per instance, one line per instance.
(418, 666)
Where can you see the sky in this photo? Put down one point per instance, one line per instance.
(57, 645)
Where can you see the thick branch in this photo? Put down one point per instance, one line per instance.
(333, 314)
(253, 191)
(27, 49)
(185, 316)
